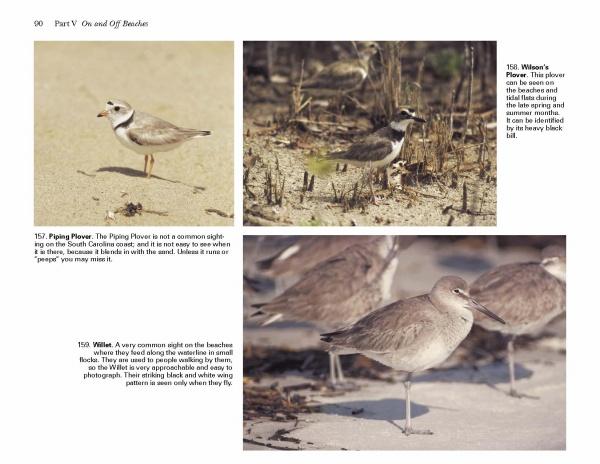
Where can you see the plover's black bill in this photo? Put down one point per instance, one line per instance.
(417, 119)
(472, 304)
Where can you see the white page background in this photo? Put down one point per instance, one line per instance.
(546, 185)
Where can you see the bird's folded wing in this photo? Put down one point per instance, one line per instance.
(369, 150)
(341, 74)
(519, 293)
(330, 282)
(149, 130)
(391, 328)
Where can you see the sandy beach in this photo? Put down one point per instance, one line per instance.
(84, 176)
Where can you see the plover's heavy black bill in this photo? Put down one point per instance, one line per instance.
(472, 304)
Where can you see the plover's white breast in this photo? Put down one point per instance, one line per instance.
(396, 147)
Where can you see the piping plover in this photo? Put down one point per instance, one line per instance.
(145, 134)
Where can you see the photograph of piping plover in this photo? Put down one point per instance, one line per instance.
(369, 133)
(404, 342)
(145, 134)
(147, 138)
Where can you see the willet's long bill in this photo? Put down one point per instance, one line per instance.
(414, 334)
(340, 290)
(526, 295)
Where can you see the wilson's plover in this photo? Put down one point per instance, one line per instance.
(145, 134)
(343, 75)
(381, 147)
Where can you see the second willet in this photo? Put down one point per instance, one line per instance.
(414, 334)
(526, 295)
(340, 290)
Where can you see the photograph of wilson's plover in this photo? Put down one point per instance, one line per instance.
(164, 155)
(404, 342)
(369, 133)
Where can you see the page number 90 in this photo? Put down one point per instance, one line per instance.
(38, 23)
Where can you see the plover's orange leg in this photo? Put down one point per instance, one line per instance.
(151, 166)
(145, 163)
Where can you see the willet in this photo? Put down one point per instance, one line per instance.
(414, 334)
(526, 295)
(340, 290)
(308, 251)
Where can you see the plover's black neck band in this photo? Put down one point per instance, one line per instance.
(397, 135)
(125, 124)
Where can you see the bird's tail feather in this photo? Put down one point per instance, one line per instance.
(194, 133)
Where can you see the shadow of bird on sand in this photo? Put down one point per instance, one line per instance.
(137, 173)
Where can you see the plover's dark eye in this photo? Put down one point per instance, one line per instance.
(109, 103)
(117, 108)
(456, 290)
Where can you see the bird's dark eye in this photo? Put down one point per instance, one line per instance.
(456, 290)
(117, 108)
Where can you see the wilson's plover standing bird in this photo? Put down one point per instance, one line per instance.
(381, 147)
(343, 75)
(526, 295)
(341, 289)
(145, 134)
(414, 334)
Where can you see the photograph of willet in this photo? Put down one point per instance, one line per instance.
(369, 133)
(404, 342)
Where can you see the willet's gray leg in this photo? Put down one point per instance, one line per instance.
(332, 368)
(511, 365)
(408, 427)
(340, 372)
(510, 350)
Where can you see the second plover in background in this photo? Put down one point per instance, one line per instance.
(526, 295)
(343, 75)
(414, 334)
(144, 133)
